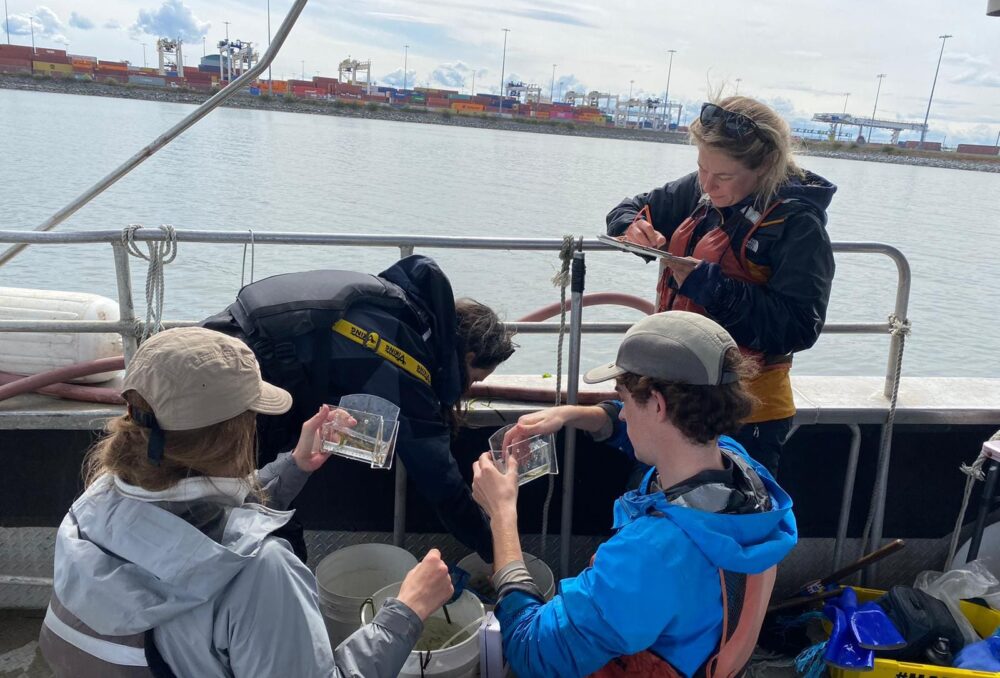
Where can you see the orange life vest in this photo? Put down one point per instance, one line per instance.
(744, 604)
(727, 246)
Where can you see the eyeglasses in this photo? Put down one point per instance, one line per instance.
(733, 125)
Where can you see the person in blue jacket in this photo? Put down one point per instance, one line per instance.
(651, 602)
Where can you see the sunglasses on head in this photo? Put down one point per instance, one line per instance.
(733, 125)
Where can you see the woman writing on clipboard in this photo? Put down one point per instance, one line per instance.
(751, 226)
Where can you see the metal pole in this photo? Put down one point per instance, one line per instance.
(850, 475)
(573, 380)
(6, 20)
(144, 65)
(989, 487)
(503, 66)
(31, 20)
(406, 56)
(871, 128)
(840, 127)
(168, 136)
(552, 85)
(628, 104)
(399, 500)
(923, 132)
(473, 83)
(126, 309)
(997, 144)
(270, 88)
(666, 94)
(738, 81)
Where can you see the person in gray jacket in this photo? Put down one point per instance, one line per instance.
(166, 565)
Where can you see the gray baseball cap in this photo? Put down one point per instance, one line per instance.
(673, 346)
(193, 377)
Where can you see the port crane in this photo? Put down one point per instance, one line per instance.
(837, 120)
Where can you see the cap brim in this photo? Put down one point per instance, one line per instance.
(272, 400)
(603, 373)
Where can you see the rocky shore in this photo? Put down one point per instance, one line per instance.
(874, 153)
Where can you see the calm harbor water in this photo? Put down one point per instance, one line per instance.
(270, 171)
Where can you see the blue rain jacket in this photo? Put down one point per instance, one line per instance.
(653, 585)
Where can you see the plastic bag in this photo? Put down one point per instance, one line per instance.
(972, 580)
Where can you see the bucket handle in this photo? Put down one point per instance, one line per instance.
(361, 611)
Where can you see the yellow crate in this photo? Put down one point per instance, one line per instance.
(984, 619)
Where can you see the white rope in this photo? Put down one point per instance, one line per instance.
(973, 472)
(253, 257)
(560, 280)
(158, 254)
(898, 327)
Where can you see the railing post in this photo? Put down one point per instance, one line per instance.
(572, 386)
(850, 474)
(126, 309)
(399, 499)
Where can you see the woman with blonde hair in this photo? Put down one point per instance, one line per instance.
(751, 227)
(167, 565)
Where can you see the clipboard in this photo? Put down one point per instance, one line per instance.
(648, 253)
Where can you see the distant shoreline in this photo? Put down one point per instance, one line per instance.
(876, 153)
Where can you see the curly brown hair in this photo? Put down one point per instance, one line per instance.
(701, 413)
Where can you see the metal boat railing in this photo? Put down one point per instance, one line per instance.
(130, 327)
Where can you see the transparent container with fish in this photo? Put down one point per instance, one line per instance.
(372, 439)
(535, 455)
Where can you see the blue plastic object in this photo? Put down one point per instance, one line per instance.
(459, 579)
(981, 656)
(843, 650)
(873, 628)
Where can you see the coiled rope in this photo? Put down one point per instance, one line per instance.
(898, 327)
(158, 254)
(560, 280)
(973, 473)
(253, 257)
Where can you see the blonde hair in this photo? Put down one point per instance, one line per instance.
(769, 150)
(227, 449)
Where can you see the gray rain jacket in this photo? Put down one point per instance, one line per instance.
(197, 565)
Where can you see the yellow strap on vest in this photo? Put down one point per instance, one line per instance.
(382, 348)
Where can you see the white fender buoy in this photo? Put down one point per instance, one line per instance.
(34, 352)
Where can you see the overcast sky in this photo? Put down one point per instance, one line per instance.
(800, 56)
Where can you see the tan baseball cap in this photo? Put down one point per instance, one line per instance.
(673, 346)
(193, 377)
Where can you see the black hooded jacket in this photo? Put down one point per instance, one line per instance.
(787, 313)
(287, 321)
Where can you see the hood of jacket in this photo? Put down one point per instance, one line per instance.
(746, 542)
(812, 190)
(124, 564)
(429, 291)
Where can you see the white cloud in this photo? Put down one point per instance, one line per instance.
(455, 76)
(112, 25)
(173, 19)
(79, 21)
(45, 22)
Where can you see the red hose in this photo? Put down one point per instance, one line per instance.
(595, 299)
(56, 376)
(89, 394)
(533, 395)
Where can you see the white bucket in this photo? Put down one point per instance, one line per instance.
(347, 577)
(459, 659)
(539, 571)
